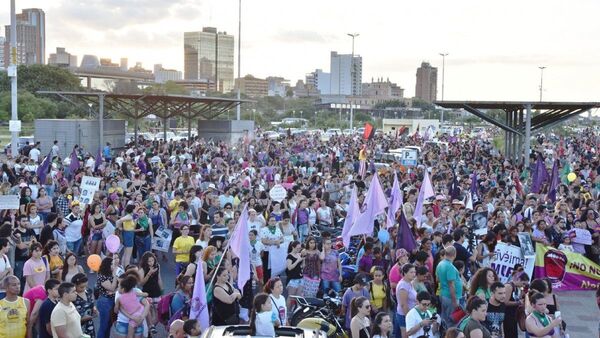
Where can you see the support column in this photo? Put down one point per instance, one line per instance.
(527, 135)
(165, 120)
(520, 137)
(89, 83)
(507, 136)
(135, 124)
(101, 118)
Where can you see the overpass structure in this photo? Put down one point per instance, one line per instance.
(519, 121)
(112, 74)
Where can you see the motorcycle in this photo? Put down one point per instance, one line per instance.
(319, 314)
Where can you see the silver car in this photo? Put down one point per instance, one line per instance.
(244, 331)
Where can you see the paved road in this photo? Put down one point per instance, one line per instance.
(580, 312)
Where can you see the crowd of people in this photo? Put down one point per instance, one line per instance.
(196, 191)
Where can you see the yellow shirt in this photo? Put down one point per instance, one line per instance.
(128, 225)
(174, 207)
(377, 295)
(183, 244)
(13, 318)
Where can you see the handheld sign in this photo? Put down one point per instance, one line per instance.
(9, 202)
(278, 193)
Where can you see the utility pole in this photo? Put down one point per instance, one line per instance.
(352, 75)
(443, 78)
(541, 80)
(239, 57)
(13, 81)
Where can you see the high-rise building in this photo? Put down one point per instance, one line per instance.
(346, 74)
(2, 65)
(90, 61)
(208, 55)
(31, 37)
(162, 75)
(124, 64)
(251, 86)
(426, 88)
(62, 59)
(277, 86)
(319, 80)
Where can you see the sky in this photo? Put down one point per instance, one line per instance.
(494, 47)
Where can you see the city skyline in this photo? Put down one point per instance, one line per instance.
(490, 57)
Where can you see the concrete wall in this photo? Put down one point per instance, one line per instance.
(224, 130)
(85, 133)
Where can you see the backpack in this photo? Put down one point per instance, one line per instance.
(163, 308)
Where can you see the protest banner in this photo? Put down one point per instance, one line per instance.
(580, 236)
(278, 193)
(566, 270)
(506, 257)
(162, 239)
(9, 202)
(89, 186)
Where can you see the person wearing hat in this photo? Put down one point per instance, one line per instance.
(358, 289)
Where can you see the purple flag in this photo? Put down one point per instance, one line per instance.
(74, 165)
(454, 188)
(42, 170)
(405, 238)
(199, 304)
(540, 175)
(351, 216)
(554, 182)
(375, 204)
(425, 192)
(474, 188)
(372, 168)
(240, 246)
(142, 164)
(395, 202)
(98, 159)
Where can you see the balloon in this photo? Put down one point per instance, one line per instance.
(93, 262)
(383, 235)
(113, 243)
(571, 177)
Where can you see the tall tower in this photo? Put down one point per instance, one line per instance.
(426, 88)
(31, 37)
(208, 55)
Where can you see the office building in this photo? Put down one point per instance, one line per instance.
(124, 64)
(346, 74)
(2, 65)
(319, 80)
(208, 55)
(107, 62)
(62, 59)
(90, 61)
(426, 88)
(162, 75)
(31, 37)
(252, 87)
(277, 86)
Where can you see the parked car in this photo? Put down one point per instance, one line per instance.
(244, 331)
(20, 143)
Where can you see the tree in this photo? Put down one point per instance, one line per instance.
(34, 78)
(30, 107)
(390, 103)
(167, 88)
(424, 105)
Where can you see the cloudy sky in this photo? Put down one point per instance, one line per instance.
(494, 48)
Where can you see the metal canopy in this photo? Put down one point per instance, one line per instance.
(518, 121)
(138, 106)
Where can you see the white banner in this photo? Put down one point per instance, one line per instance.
(506, 257)
(277, 259)
(162, 239)
(580, 236)
(89, 186)
(9, 202)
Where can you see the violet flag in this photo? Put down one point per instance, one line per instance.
(374, 205)
(199, 304)
(425, 192)
(98, 162)
(74, 165)
(454, 187)
(42, 170)
(351, 216)
(540, 175)
(240, 246)
(395, 202)
(405, 238)
(474, 188)
(554, 182)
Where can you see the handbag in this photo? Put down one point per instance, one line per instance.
(458, 314)
(521, 317)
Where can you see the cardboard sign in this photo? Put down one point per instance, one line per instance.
(9, 202)
(162, 239)
(506, 257)
(278, 193)
(89, 186)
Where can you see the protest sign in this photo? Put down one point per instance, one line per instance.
(566, 270)
(580, 236)
(277, 262)
(89, 186)
(9, 202)
(162, 239)
(278, 193)
(506, 257)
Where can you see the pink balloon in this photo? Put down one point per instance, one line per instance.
(113, 243)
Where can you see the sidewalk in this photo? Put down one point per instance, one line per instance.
(580, 312)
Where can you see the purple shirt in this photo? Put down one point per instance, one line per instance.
(329, 267)
(365, 263)
(302, 216)
(412, 296)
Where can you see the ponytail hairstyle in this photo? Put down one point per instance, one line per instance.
(292, 245)
(270, 285)
(259, 300)
(182, 279)
(356, 304)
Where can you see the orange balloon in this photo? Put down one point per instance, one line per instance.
(93, 262)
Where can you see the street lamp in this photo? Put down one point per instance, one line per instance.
(238, 113)
(352, 77)
(541, 80)
(443, 55)
(315, 119)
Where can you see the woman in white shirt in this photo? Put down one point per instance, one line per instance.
(324, 215)
(262, 319)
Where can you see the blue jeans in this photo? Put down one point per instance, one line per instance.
(335, 285)
(74, 246)
(105, 306)
(302, 232)
(447, 309)
(399, 322)
(143, 244)
(43, 216)
(180, 267)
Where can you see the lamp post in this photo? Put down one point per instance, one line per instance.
(443, 55)
(541, 80)
(315, 119)
(239, 57)
(14, 139)
(352, 80)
